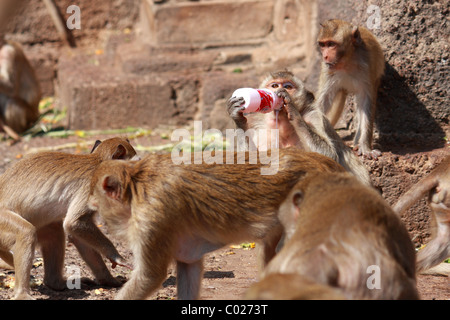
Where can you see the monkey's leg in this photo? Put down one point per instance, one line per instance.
(189, 278)
(95, 262)
(10, 132)
(8, 258)
(52, 241)
(15, 118)
(363, 138)
(269, 246)
(19, 236)
(438, 249)
(334, 113)
(151, 263)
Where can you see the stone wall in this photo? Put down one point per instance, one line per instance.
(181, 46)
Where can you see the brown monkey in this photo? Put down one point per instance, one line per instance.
(300, 123)
(42, 197)
(20, 91)
(166, 211)
(291, 286)
(342, 234)
(352, 62)
(437, 185)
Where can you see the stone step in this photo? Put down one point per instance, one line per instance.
(145, 90)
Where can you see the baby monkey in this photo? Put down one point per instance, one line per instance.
(300, 123)
(342, 241)
(44, 196)
(437, 185)
(166, 211)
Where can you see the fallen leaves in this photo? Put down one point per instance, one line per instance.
(245, 246)
(99, 291)
(7, 281)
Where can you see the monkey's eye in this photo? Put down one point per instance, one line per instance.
(327, 44)
(288, 86)
(275, 85)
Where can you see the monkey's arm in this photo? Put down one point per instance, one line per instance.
(235, 108)
(313, 133)
(416, 192)
(80, 225)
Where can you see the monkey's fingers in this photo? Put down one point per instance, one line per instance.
(119, 262)
(235, 102)
(235, 106)
(368, 154)
(282, 93)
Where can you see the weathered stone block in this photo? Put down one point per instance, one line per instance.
(209, 22)
(99, 97)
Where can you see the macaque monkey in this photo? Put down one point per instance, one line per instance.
(352, 62)
(342, 235)
(166, 211)
(20, 92)
(291, 286)
(437, 185)
(43, 197)
(300, 123)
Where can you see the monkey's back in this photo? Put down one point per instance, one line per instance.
(232, 196)
(346, 227)
(376, 57)
(45, 180)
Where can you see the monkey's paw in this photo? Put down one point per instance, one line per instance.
(235, 107)
(282, 93)
(367, 153)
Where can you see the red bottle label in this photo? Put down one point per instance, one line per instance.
(266, 101)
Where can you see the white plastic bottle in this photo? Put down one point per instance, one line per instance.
(259, 100)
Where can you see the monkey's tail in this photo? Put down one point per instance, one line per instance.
(412, 195)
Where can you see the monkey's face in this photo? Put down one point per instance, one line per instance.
(286, 84)
(330, 52)
(336, 42)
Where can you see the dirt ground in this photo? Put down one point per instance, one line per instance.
(228, 272)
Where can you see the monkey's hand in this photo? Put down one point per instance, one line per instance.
(291, 111)
(119, 261)
(235, 109)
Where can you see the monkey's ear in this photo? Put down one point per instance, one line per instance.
(112, 187)
(356, 36)
(297, 198)
(290, 212)
(96, 144)
(120, 152)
